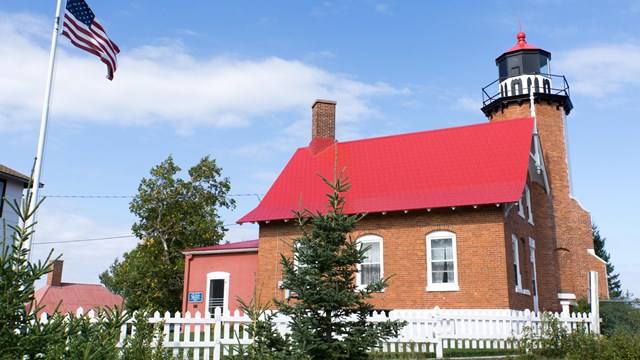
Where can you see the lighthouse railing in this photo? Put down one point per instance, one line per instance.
(492, 92)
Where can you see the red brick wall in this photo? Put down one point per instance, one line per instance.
(323, 119)
(542, 231)
(572, 223)
(481, 257)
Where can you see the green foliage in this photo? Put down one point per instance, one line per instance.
(146, 343)
(613, 281)
(25, 336)
(87, 338)
(555, 342)
(550, 341)
(619, 317)
(328, 313)
(267, 342)
(173, 215)
(21, 332)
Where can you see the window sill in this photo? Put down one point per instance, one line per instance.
(364, 287)
(523, 291)
(443, 287)
(531, 221)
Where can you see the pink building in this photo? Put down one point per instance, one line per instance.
(215, 276)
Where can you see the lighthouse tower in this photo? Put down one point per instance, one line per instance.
(526, 88)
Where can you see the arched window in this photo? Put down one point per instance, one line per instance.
(516, 87)
(372, 267)
(442, 263)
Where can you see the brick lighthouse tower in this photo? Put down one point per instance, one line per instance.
(526, 88)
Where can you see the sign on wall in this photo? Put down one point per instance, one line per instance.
(195, 297)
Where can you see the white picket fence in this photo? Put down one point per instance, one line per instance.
(433, 330)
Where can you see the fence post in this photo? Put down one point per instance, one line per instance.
(439, 327)
(595, 302)
(217, 328)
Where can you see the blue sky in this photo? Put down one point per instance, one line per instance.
(236, 79)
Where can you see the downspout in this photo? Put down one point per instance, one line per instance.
(185, 291)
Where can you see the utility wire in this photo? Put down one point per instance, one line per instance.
(128, 196)
(98, 239)
(83, 240)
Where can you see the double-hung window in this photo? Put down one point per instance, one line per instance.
(442, 264)
(371, 268)
(525, 199)
(517, 266)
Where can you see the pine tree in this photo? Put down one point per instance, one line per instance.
(613, 281)
(328, 312)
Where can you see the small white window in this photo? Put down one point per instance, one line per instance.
(372, 268)
(442, 265)
(516, 266)
(217, 291)
(527, 196)
(521, 207)
(296, 262)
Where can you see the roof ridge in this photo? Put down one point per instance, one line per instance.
(454, 128)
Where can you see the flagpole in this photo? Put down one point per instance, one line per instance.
(37, 167)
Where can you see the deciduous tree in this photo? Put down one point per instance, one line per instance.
(173, 215)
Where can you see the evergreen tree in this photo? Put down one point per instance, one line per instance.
(328, 312)
(613, 281)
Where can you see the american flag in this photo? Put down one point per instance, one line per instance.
(81, 27)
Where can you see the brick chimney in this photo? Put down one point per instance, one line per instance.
(54, 278)
(323, 125)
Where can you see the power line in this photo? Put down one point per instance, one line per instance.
(129, 196)
(91, 196)
(99, 239)
(83, 240)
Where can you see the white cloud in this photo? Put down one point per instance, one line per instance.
(161, 84)
(382, 8)
(83, 260)
(468, 103)
(601, 71)
(242, 232)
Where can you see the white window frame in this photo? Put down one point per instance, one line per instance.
(452, 286)
(534, 276)
(362, 242)
(296, 263)
(218, 275)
(527, 195)
(516, 262)
(520, 207)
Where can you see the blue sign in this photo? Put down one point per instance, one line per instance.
(195, 297)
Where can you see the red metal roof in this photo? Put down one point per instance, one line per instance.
(73, 296)
(469, 165)
(242, 245)
(522, 44)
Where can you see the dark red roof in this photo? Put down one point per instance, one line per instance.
(469, 165)
(73, 296)
(242, 245)
(522, 44)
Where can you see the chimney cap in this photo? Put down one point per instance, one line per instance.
(332, 102)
